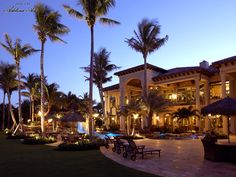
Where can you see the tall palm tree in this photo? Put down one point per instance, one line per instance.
(8, 81)
(32, 83)
(101, 69)
(18, 51)
(146, 41)
(47, 26)
(93, 11)
(185, 113)
(154, 103)
(2, 86)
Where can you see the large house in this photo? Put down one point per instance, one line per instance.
(184, 86)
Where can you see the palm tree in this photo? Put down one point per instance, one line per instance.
(146, 41)
(18, 52)
(134, 107)
(154, 103)
(101, 69)
(185, 113)
(8, 81)
(32, 83)
(47, 26)
(2, 86)
(93, 11)
(52, 96)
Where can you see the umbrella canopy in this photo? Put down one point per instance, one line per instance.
(73, 117)
(226, 106)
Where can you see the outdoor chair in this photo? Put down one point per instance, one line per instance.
(108, 141)
(118, 145)
(132, 149)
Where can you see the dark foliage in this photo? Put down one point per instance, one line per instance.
(81, 146)
(34, 141)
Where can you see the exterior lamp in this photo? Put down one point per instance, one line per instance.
(29, 120)
(39, 113)
(135, 116)
(49, 120)
(174, 96)
(95, 115)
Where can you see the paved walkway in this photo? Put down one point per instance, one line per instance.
(179, 158)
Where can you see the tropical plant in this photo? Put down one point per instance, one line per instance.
(146, 41)
(134, 108)
(154, 103)
(101, 69)
(84, 104)
(9, 83)
(47, 26)
(185, 113)
(18, 51)
(52, 96)
(32, 85)
(93, 11)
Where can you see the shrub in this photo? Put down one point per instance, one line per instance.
(36, 140)
(16, 136)
(81, 145)
(114, 127)
(212, 136)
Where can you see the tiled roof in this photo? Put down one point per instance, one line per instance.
(140, 68)
(185, 71)
(224, 61)
(112, 87)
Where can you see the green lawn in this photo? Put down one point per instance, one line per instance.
(19, 160)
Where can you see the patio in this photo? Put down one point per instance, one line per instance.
(179, 158)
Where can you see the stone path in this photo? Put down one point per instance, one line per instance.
(179, 158)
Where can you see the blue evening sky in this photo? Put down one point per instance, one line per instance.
(198, 30)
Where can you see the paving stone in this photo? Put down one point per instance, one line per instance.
(179, 158)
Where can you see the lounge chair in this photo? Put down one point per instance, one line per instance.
(118, 145)
(132, 149)
(108, 141)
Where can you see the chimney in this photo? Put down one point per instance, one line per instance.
(204, 64)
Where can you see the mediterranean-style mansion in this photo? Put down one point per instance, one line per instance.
(184, 86)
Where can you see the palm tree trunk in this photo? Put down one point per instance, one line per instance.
(150, 114)
(100, 88)
(32, 110)
(145, 77)
(30, 106)
(91, 84)
(10, 110)
(42, 86)
(19, 92)
(3, 110)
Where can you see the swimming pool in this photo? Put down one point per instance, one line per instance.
(103, 134)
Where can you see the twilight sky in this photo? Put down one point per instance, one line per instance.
(198, 30)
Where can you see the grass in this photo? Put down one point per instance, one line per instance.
(19, 160)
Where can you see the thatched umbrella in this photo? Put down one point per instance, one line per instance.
(226, 107)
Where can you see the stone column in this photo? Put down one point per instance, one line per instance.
(207, 102)
(197, 95)
(122, 103)
(232, 92)
(206, 123)
(223, 95)
(207, 92)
